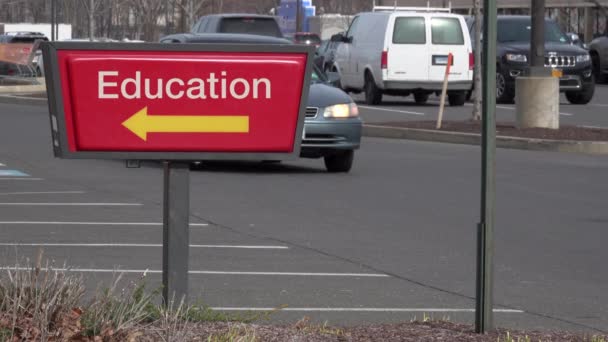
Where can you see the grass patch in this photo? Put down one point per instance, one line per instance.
(235, 334)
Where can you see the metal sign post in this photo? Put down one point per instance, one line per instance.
(485, 238)
(176, 231)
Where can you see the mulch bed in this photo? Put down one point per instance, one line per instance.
(406, 332)
(565, 132)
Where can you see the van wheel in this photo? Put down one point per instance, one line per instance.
(339, 162)
(584, 96)
(421, 97)
(373, 95)
(457, 98)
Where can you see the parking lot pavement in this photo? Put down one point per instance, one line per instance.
(394, 108)
(391, 240)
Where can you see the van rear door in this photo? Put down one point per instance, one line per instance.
(407, 49)
(447, 37)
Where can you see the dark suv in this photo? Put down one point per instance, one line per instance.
(513, 56)
(263, 25)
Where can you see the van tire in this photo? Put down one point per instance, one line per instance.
(457, 98)
(373, 95)
(339, 162)
(421, 97)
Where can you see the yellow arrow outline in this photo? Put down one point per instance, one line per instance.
(141, 124)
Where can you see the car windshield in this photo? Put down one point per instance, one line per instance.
(317, 75)
(520, 30)
(260, 26)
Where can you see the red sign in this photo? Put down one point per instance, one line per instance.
(174, 101)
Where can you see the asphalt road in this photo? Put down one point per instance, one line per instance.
(390, 241)
(594, 114)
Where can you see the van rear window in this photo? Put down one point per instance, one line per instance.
(446, 31)
(253, 25)
(409, 30)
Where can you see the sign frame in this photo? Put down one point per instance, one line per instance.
(57, 108)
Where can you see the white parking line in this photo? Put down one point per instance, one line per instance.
(20, 179)
(428, 310)
(2, 165)
(392, 110)
(295, 274)
(56, 204)
(513, 108)
(59, 223)
(598, 104)
(42, 193)
(136, 245)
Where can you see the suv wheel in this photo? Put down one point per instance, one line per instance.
(503, 95)
(457, 98)
(583, 96)
(597, 70)
(421, 97)
(373, 95)
(340, 162)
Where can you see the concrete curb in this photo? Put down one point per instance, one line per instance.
(587, 147)
(23, 88)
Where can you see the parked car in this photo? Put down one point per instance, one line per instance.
(326, 54)
(264, 25)
(405, 52)
(307, 38)
(332, 128)
(13, 69)
(513, 54)
(598, 48)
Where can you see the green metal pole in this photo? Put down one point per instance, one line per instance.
(485, 246)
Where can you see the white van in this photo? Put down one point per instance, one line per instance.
(405, 51)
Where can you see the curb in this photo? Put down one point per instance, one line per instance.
(572, 146)
(25, 88)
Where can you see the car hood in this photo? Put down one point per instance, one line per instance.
(322, 95)
(524, 48)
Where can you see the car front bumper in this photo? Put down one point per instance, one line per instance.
(573, 79)
(325, 137)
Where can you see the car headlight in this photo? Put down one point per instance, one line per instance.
(511, 57)
(583, 58)
(347, 110)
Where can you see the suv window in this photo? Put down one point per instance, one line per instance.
(409, 30)
(446, 31)
(259, 26)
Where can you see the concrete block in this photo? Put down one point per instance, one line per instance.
(537, 102)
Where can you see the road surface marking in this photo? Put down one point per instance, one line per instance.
(296, 274)
(57, 204)
(361, 309)
(514, 108)
(392, 110)
(21, 179)
(133, 245)
(599, 104)
(42, 193)
(2, 165)
(594, 127)
(59, 223)
(13, 173)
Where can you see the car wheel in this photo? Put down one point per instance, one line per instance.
(457, 98)
(503, 95)
(373, 95)
(339, 162)
(421, 97)
(600, 77)
(584, 96)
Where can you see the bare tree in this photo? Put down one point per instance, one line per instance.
(191, 9)
(147, 14)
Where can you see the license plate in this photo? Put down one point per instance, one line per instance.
(441, 60)
(557, 73)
